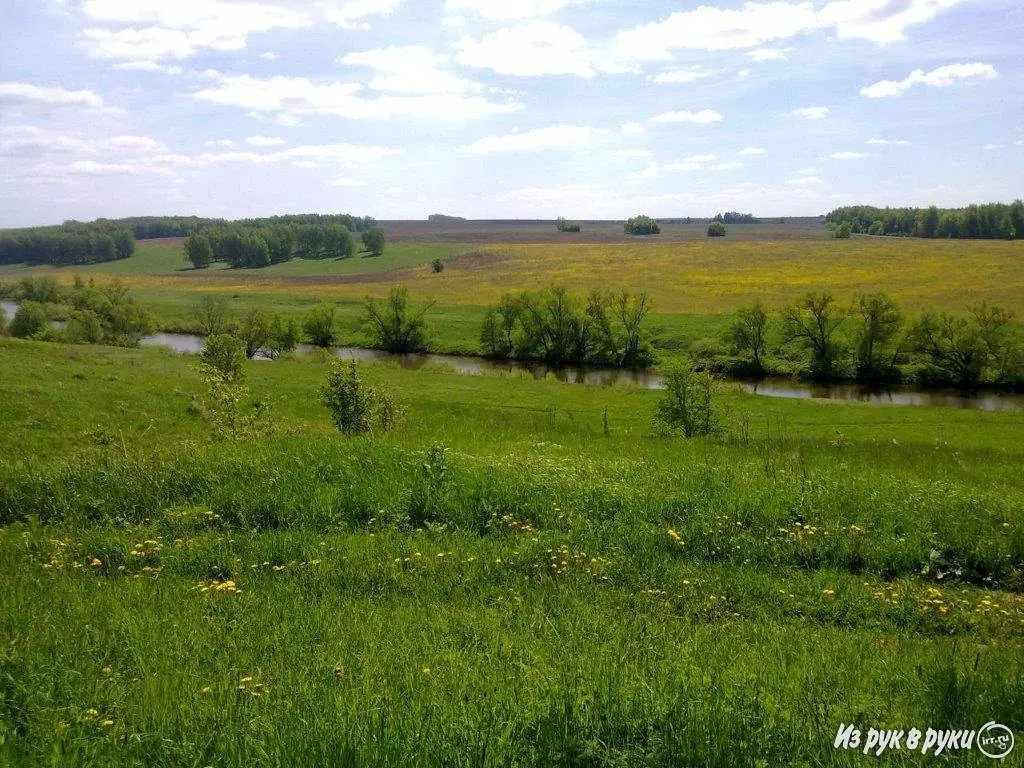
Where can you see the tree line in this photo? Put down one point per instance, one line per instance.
(605, 328)
(148, 227)
(240, 245)
(993, 221)
(874, 342)
(65, 245)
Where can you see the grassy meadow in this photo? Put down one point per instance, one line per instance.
(694, 284)
(499, 580)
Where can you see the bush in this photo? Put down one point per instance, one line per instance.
(3, 321)
(393, 327)
(642, 225)
(844, 231)
(211, 314)
(223, 356)
(84, 327)
(255, 331)
(30, 319)
(437, 266)
(567, 226)
(319, 325)
(716, 229)
(284, 337)
(354, 406)
(199, 251)
(687, 407)
(748, 335)
(373, 241)
(876, 228)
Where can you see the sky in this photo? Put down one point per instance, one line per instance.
(505, 108)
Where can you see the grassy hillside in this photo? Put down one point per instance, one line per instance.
(544, 594)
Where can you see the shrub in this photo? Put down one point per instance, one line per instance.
(255, 331)
(211, 315)
(30, 319)
(3, 321)
(642, 225)
(373, 241)
(687, 406)
(748, 335)
(392, 326)
(223, 355)
(876, 228)
(844, 231)
(716, 229)
(354, 406)
(319, 325)
(84, 327)
(199, 251)
(284, 337)
(437, 265)
(567, 226)
(45, 290)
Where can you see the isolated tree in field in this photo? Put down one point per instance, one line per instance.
(748, 335)
(716, 229)
(641, 225)
(354, 406)
(30, 319)
(223, 355)
(687, 405)
(877, 346)
(373, 241)
(567, 226)
(255, 331)
(199, 251)
(319, 325)
(393, 326)
(211, 315)
(813, 322)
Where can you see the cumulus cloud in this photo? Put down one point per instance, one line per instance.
(692, 163)
(767, 54)
(811, 113)
(888, 142)
(679, 76)
(48, 95)
(551, 137)
(291, 97)
(703, 117)
(708, 28)
(632, 128)
(534, 49)
(940, 77)
(269, 56)
(751, 151)
(409, 69)
(508, 9)
(265, 141)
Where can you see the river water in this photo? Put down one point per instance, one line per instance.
(602, 377)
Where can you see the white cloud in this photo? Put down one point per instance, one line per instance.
(288, 98)
(508, 9)
(678, 76)
(344, 153)
(703, 117)
(625, 154)
(534, 49)
(767, 54)
(648, 173)
(221, 143)
(269, 56)
(552, 137)
(265, 141)
(51, 96)
(751, 151)
(811, 113)
(888, 142)
(94, 168)
(708, 28)
(990, 147)
(804, 181)
(150, 30)
(692, 163)
(409, 69)
(941, 77)
(347, 182)
(633, 128)
(729, 165)
(149, 66)
(849, 155)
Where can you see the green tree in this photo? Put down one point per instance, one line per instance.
(319, 325)
(881, 320)
(641, 225)
(223, 355)
(687, 405)
(284, 337)
(813, 322)
(353, 404)
(30, 319)
(716, 229)
(748, 335)
(199, 251)
(373, 241)
(393, 326)
(844, 231)
(211, 315)
(255, 331)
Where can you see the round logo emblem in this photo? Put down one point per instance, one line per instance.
(995, 740)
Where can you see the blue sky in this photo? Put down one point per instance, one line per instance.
(517, 108)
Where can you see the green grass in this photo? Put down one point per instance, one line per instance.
(828, 563)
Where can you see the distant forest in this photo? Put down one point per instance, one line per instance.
(994, 221)
(76, 242)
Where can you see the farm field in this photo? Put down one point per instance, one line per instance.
(694, 285)
(500, 579)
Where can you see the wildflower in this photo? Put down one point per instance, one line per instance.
(107, 723)
(828, 591)
(207, 689)
(426, 670)
(95, 561)
(674, 536)
(107, 671)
